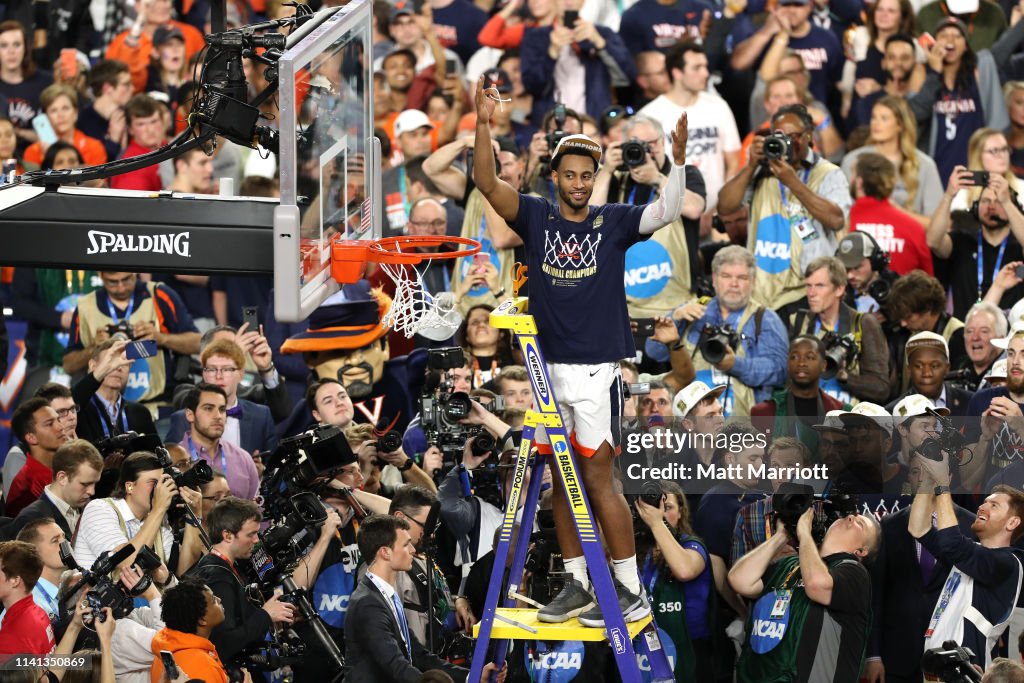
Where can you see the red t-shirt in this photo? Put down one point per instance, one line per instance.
(896, 232)
(26, 630)
(27, 486)
(147, 178)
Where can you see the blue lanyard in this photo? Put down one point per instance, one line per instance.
(104, 416)
(999, 261)
(53, 611)
(782, 188)
(113, 309)
(632, 195)
(195, 455)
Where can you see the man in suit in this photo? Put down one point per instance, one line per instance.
(76, 470)
(927, 364)
(906, 580)
(249, 425)
(104, 411)
(206, 412)
(378, 643)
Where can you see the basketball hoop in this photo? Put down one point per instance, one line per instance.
(413, 309)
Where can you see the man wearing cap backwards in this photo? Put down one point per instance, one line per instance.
(977, 599)
(575, 253)
(797, 205)
(927, 364)
(961, 94)
(867, 273)
(997, 440)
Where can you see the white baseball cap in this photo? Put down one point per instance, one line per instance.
(410, 120)
(998, 370)
(868, 412)
(1016, 330)
(926, 340)
(962, 6)
(915, 405)
(687, 398)
(831, 422)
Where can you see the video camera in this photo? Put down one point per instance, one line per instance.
(715, 339)
(105, 591)
(792, 500)
(285, 649)
(128, 443)
(287, 539)
(840, 351)
(951, 663)
(301, 463)
(544, 559)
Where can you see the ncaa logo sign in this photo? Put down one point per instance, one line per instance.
(771, 250)
(643, 661)
(331, 594)
(648, 269)
(558, 664)
(138, 379)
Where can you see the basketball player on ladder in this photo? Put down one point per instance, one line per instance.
(576, 258)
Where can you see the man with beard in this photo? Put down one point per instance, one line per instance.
(758, 361)
(346, 341)
(995, 244)
(997, 440)
(801, 404)
(927, 367)
(864, 374)
(206, 413)
(575, 253)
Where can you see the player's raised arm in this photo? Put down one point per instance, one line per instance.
(502, 196)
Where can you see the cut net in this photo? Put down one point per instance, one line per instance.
(414, 310)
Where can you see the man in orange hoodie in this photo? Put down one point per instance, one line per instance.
(190, 612)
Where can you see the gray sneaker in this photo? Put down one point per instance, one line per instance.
(633, 607)
(572, 601)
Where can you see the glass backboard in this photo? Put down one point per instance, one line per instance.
(330, 168)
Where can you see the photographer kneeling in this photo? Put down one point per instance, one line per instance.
(137, 513)
(798, 595)
(677, 574)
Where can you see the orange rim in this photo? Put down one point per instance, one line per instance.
(390, 249)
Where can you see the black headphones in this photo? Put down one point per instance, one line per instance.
(975, 209)
(878, 258)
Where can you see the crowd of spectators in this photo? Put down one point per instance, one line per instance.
(846, 267)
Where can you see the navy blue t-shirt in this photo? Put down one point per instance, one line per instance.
(577, 286)
(457, 27)
(649, 25)
(956, 115)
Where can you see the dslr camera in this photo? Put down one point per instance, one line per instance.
(634, 153)
(554, 137)
(121, 331)
(791, 501)
(105, 592)
(715, 339)
(840, 351)
(778, 146)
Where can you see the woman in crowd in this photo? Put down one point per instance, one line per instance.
(884, 18)
(894, 136)
(490, 347)
(20, 81)
(1014, 94)
(60, 103)
(9, 142)
(988, 150)
(677, 575)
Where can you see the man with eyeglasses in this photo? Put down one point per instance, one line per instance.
(249, 426)
(36, 426)
(105, 411)
(137, 311)
(662, 271)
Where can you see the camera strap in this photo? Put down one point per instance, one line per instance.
(998, 263)
(158, 547)
(110, 425)
(112, 309)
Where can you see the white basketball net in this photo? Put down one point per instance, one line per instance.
(414, 310)
(573, 252)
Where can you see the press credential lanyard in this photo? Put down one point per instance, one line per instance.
(999, 261)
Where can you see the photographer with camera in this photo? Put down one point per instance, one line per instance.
(26, 629)
(677, 571)
(105, 412)
(137, 311)
(983, 585)
(635, 171)
(742, 345)
(137, 513)
(191, 612)
(796, 596)
(234, 526)
(857, 359)
(867, 274)
(556, 124)
(793, 216)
